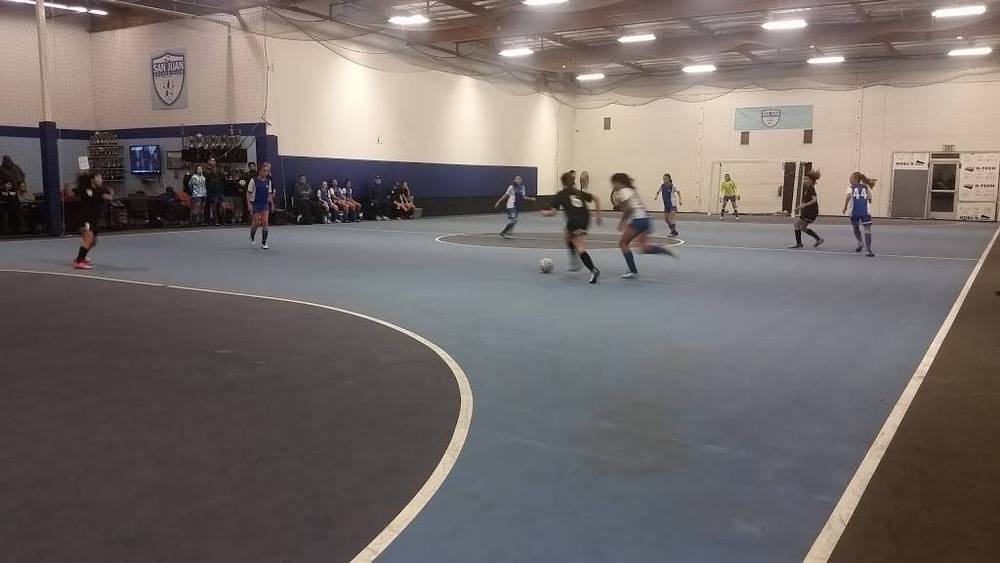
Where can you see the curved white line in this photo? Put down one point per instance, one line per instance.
(451, 453)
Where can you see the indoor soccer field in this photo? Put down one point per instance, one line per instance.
(491, 281)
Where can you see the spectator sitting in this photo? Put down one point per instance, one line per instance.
(330, 210)
(24, 194)
(32, 214)
(305, 201)
(348, 192)
(10, 172)
(403, 202)
(67, 192)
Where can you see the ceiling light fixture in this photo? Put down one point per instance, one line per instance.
(971, 52)
(543, 2)
(959, 11)
(519, 52)
(53, 5)
(780, 25)
(826, 60)
(642, 38)
(590, 77)
(415, 19)
(697, 69)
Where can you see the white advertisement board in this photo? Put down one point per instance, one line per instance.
(972, 211)
(979, 177)
(911, 160)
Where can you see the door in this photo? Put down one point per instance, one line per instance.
(910, 193)
(941, 185)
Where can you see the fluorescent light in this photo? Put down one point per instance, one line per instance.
(415, 19)
(543, 2)
(519, 52)
(779, 25)
(590, 77)
(77, 9)
(971, 52)
(826, 60)
(694, 69)
(959, 11)
(637, 38)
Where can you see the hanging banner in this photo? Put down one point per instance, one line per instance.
(168, 71)
(911, 160)
(774, 117)
(970, 211)
(979, 178)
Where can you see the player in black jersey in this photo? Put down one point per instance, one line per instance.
(92, 195)
(574, 204)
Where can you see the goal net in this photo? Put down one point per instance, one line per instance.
(759, 182)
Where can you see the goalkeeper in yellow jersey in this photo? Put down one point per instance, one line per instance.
(729, 192)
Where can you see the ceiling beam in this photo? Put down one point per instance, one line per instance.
(820, 36)
(525, 21)
(465, 6)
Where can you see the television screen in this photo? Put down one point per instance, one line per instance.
(144, 159)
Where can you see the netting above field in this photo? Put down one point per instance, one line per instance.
(382, 48)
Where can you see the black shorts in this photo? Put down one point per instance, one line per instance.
(578, 226)
(808, 218)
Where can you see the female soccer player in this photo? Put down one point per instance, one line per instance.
(91, 195)
(514, 195)
(348, 191)
(325, 197)
(859, 197)
(730, 193)
(574, 202)
(808, 211)
(671, 201)
(260, 198)
(635, 223)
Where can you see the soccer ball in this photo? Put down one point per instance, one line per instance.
(545, 266)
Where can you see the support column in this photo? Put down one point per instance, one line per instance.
(48, 133)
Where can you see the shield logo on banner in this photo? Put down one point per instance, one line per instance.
(168, 77)
(770, 117)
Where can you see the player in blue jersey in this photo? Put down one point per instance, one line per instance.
(260, 198)
(635, 224)
(859, 199)
(515, 194)
(671, 201)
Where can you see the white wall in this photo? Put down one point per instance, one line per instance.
(854, 130)
(70, 70)
(324, 106)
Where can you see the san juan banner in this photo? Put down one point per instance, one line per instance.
(774, 117)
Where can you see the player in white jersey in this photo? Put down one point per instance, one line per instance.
(635, 224)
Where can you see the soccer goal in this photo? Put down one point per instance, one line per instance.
(762, 184)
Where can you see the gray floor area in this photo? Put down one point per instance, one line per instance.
(712, 410)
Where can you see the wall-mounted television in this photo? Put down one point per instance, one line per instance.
(144, 159)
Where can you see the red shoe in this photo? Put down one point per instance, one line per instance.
(82, 266)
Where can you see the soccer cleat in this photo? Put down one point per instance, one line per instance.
(264, 246)
(505, 236)
(674, 234)
(722, 218)
(871, 254)
(253, 243)
(737, 217)
(594, 276)
(630, 275)
(795, 246)
(819, 242)
(859, 248)
(81, 265)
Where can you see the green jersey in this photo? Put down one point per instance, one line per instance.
(729, 188)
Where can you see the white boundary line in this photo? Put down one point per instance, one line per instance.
(440, 239)
(454, 449)
(814, 251)
(834, 528)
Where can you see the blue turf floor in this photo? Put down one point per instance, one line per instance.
(711, 411)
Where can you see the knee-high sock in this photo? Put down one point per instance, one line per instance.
(673, 227)
(810, 232)
(253, 232)
(263, 236)
(798, 236)
(868, 241)
(82, 254)
(857, 232)
(585, 258)
(509, 227)
(630, 261)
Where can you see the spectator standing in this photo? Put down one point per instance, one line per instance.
(10, 210)
(199, 192)
(377, 197)
(67, 192)
(215, 185)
